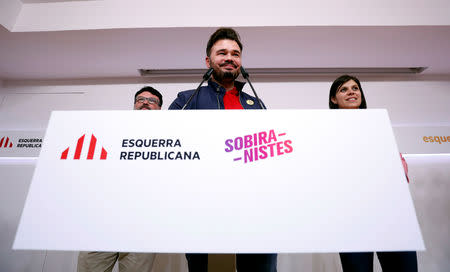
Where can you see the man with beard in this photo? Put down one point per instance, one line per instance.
(146, 98)
(223, 54)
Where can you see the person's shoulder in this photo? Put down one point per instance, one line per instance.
(186, 92)
(181, 99)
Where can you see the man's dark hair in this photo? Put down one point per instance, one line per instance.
(150, 90)
(337, 84)
(223, 34)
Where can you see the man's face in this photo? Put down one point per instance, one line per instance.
(225, 58)
(147, 101)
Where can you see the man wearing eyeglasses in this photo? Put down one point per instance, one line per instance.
(147, 98)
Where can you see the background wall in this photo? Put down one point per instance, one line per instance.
(26, 105)
(409, 102)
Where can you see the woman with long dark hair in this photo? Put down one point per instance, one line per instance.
(346, 93)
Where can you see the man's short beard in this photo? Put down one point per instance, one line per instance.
(220, 76)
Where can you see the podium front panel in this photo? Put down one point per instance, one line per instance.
(255, 181)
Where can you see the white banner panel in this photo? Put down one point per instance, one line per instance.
(219, 181)
(18, 143)
(423, 140)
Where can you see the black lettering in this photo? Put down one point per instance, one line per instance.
(169, 142)
(162, 143)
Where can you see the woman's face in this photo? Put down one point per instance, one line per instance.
(348, 96)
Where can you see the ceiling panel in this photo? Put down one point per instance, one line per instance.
(121, 52)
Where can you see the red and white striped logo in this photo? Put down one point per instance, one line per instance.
(6, 143)
(79, 148)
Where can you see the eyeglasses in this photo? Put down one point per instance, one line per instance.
(150, 100)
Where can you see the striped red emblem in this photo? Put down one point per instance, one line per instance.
(91, 151)
(5, 143)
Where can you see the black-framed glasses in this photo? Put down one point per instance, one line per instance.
(150, 100)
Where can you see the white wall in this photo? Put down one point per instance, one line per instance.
(430, 188)
(27, 106)
(409, 102)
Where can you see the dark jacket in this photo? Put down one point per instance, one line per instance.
(211, 97)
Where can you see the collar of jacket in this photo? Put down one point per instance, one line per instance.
(239, 85)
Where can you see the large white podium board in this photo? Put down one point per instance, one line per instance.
(219, 181)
